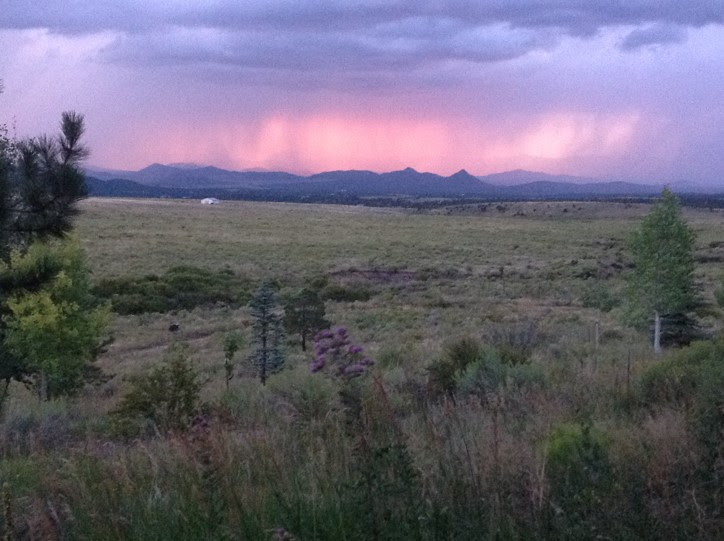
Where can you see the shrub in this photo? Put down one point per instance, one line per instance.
(384, 494)
(526, 376)
(339, 293)
(490, 371)
(483, 375)
(597, 295)
(581, 480)
(166, 398)
(677, 377)
(310, 397)
(179, 288)
(708, 415)
(442, 374)
(462, 352)
(52, 332)
(515, 341)
(680, 330)
(694, 376)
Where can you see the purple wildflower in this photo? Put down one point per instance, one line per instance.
(353, 370)
(325, 333)
(334, 349)
(317, 365)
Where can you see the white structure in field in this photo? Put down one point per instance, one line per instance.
(210, 201)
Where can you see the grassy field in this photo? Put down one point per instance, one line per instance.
(434, 276)
(282, 460)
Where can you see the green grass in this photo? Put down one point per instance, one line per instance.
(468, 465)
(465, 269)
(284, 240)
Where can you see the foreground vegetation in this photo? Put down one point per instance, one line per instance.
(508, 399)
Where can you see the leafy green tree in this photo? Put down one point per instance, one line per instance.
(304, 314)
(662, 282)
(268, 332)
(53, 331)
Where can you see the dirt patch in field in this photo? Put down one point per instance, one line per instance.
(393, 276)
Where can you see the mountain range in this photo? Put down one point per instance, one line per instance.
(190, 180)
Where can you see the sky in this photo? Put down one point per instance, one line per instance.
(616, 89)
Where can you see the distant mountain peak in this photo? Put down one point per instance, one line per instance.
(517, 184)
(461, 174)
(155, 167)
(185, 165)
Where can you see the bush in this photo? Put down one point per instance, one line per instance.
(462, 352)
(442, 374)
(526, 376)
(678, 377)
(166, 398)
(597, 295)
(180, 288)
(384, 494)
(490, 371)
(680, 330)
(708, 413)
(694, 377)
(53, 332)
(339, 293)
(515, 341)
(482, 376)
(309, 396)
(581, 481)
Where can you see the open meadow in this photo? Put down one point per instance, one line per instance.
(509, 398)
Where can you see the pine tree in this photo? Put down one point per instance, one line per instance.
(268, 333)
(662, 282)
(304, 314)
(41, 182)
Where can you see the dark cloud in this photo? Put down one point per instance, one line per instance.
(366, 36)
(659, 34)
(391, 48)
(577, 17)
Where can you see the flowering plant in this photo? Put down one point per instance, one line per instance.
(334, 350)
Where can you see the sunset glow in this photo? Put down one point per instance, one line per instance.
(596, 93)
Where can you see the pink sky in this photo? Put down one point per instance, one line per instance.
(313, 86)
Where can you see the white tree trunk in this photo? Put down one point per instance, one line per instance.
(657, 333)
(597, 334)
(43, 391)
